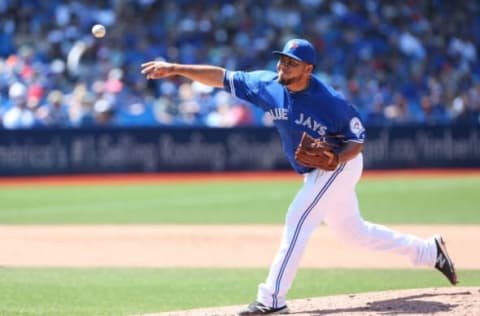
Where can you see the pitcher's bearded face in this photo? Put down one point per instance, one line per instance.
(291, 71)
(286, 81)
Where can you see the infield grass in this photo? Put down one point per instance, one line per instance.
(117, 292)
(394, 201)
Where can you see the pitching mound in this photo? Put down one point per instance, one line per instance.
(452, 301)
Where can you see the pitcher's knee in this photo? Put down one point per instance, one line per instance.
(297, 215)
(353, 232)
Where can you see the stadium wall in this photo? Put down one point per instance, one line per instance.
(146, 150)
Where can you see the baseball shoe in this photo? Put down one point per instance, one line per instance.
(257, 308)
(443, 263)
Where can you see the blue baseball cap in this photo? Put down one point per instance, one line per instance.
(299, 49)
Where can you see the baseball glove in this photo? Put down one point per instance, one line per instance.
(315, 153)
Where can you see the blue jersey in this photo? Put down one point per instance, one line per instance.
(318, 110)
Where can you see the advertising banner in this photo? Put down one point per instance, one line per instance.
(122, 150)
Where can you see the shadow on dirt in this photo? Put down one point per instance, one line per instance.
(412, 304)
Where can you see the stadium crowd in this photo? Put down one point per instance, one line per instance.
(408, 62)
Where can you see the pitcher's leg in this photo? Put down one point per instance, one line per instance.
(304, 214)
(350, 227)
(284, 267)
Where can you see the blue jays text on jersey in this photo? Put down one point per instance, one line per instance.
(307, 121)
(318, 110)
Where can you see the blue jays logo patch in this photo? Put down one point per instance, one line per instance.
(356, 127)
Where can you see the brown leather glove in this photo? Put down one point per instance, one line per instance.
(315, 153)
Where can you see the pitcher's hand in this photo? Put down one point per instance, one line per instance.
(157, 69)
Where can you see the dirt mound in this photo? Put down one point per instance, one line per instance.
(452, 301)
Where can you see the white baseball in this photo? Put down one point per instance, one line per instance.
(98, 30)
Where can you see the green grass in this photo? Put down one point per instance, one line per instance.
(393, 201)
(76, 292)
(421, 201)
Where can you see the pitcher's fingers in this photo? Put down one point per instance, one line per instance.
(148, 63)
(152, 75)
(148, 69)
(330, 156)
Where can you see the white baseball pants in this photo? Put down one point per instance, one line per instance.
(330, 197)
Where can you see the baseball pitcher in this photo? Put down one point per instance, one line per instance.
(322, 136)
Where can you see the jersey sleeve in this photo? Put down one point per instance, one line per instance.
(243, 85)
(354, 131)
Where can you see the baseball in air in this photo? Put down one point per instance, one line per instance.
(98, 30)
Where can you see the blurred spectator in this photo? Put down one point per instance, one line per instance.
(54, 112)
(104, 112)
(398, 111)
(188, 107)
(165, 106)
(466, 107)
(81, 109)
(432, 113)
(19, 115)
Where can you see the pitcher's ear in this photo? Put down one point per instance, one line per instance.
(311, 68)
